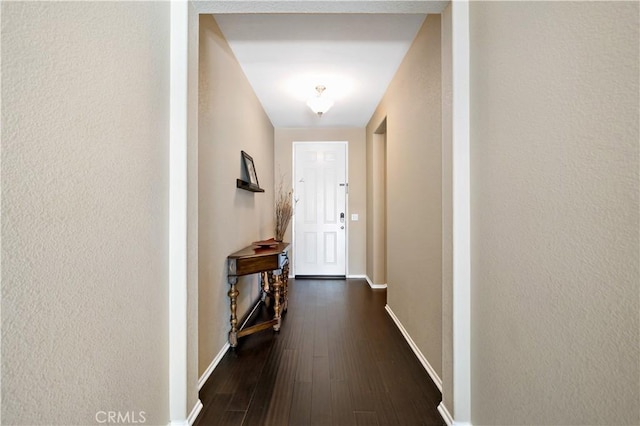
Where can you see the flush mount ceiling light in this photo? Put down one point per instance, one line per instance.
(318, 103)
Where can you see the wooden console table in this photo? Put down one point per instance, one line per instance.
(273, 264)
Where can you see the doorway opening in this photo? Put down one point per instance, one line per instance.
(379, 206)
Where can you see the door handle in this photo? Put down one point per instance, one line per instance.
(341, 217)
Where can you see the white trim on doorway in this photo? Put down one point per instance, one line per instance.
(178, 111)
(179, 67)
(461, 211)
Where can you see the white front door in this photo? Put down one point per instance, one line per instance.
(320, 221)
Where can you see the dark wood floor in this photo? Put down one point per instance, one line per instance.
(338, 360)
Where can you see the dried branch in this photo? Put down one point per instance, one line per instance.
(283, 209)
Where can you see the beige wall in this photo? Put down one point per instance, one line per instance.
(283, 160)
(85, 137)
(412, 107)
(231, 119)
(447, 214)
(192, 208)
(554, 180)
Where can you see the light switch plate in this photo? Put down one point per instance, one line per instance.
(354, 217)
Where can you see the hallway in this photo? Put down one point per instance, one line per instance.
(338, 360)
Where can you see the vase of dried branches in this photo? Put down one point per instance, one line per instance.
(283, 210)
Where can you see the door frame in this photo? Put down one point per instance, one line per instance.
(183, 158)
(292, 269)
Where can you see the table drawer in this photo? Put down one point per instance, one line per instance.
(253, 265)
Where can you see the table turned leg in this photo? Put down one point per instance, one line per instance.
(233, 297)
(285, 287)
(276, 306)
(264, 287)
(268, 288)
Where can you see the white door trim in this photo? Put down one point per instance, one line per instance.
(461, 212)
(293, 185)
(178, 204)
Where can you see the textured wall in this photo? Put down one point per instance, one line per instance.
(84, 211)
(554, 184)
(412, 106)
(231, 119)
(284, 139)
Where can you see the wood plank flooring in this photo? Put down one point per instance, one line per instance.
(338, 360)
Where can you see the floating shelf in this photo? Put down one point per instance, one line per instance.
(248, 186)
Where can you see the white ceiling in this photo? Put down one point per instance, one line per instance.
(285, 56)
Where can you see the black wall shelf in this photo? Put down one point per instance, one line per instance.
(252, 187)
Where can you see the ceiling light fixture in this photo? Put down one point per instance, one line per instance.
(319, 104)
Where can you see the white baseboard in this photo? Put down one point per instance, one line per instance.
(205, 376)
(446, 416)
(194, 413)
(192, 416)
(423, 360)
(374, 286)
(359, 277)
